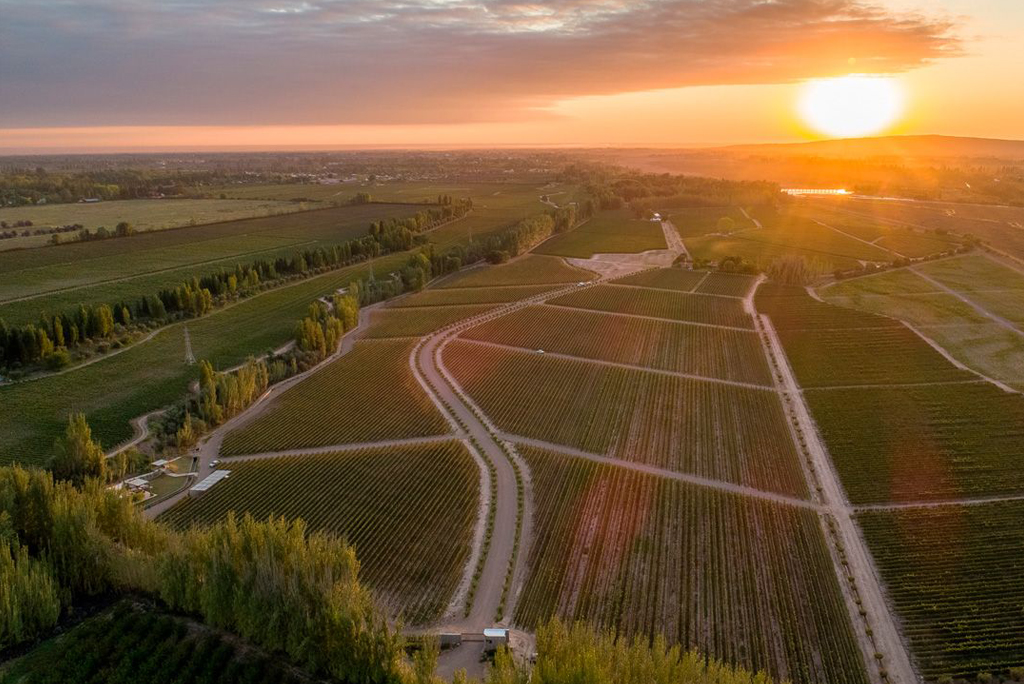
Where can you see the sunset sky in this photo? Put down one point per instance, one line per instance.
(116, 74)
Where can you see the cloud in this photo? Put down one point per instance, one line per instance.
(190, 62)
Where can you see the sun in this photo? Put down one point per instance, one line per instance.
(851, 106)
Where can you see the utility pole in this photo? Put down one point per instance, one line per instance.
(190, 358)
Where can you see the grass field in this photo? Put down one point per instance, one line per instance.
(923, 443)
(739, 579)
(892, 355)
(409, 511)
(419, 321)
(658, 304)
(955, 579)
(153, 374)
(791, 308)
(58, 278)
(530, 269)
(694, 221)
(678, 279)
(609, 232)
(143, 214)
(140, 645)
(366, 395)
(698, 350)
(729, 433)
(968, 335)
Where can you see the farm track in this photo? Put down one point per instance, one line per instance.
(866, 242)
(348, 446)
(886, 637)
(697, 480)
(627, 366)
(949, 357)
(686, 292)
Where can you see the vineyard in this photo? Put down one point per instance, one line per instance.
(139, 645)
(693, 221)
(954, 577)
(844, 356)
(531, 269)
(366, 395)
(658, 304)
(470, 295)
(726, 284)
(419, 321)
(791, 308)
(974, 273)
(923, 443)
(744, 580)
(678, 279)
(735, 434)
(607, 232)
(409, 511)
(664, 345)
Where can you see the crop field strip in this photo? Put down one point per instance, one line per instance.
(409, 511)
(678, 279)
(91, 263)
(954, 576)
(368, 394)
(721, 353)
(470, 295)
(740, 579)
(718, 431)
(530, 269)
(726, 285)
(420, 320)
(694, 221)
(635, 301)
(608, 232)
(930, 442)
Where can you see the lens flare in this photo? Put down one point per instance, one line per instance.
(851, 106)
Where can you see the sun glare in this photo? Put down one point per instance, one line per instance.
(851, 106)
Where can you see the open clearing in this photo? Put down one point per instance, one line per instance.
(409, 511)
(740, 579)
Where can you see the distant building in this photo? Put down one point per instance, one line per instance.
(816, 191)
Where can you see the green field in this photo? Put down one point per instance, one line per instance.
(743, 580)
(138, 644)
(791, 308)
(694, 221)
(735, 434)
(698, 350)
(153, 374)
(419, 321)
(969, 336)
(926, 443)
(674, 306)
(678, 279)
(55, 279)
(433, 297)
(726, 285)
(892, 355)
(368, 394)
(954, 577)
(530, 269)
(143, 214)
(609, 232)
(408, 511)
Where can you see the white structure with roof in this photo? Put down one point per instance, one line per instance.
(208, 482)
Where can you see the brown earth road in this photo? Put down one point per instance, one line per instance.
(886, 637)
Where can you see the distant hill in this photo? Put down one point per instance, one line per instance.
(916, 146)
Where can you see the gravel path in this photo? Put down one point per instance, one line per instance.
(886, 637)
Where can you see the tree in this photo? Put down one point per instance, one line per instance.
(29, 602)
(77, 456)
(124, 229)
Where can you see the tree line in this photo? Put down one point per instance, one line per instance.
(49, 341)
